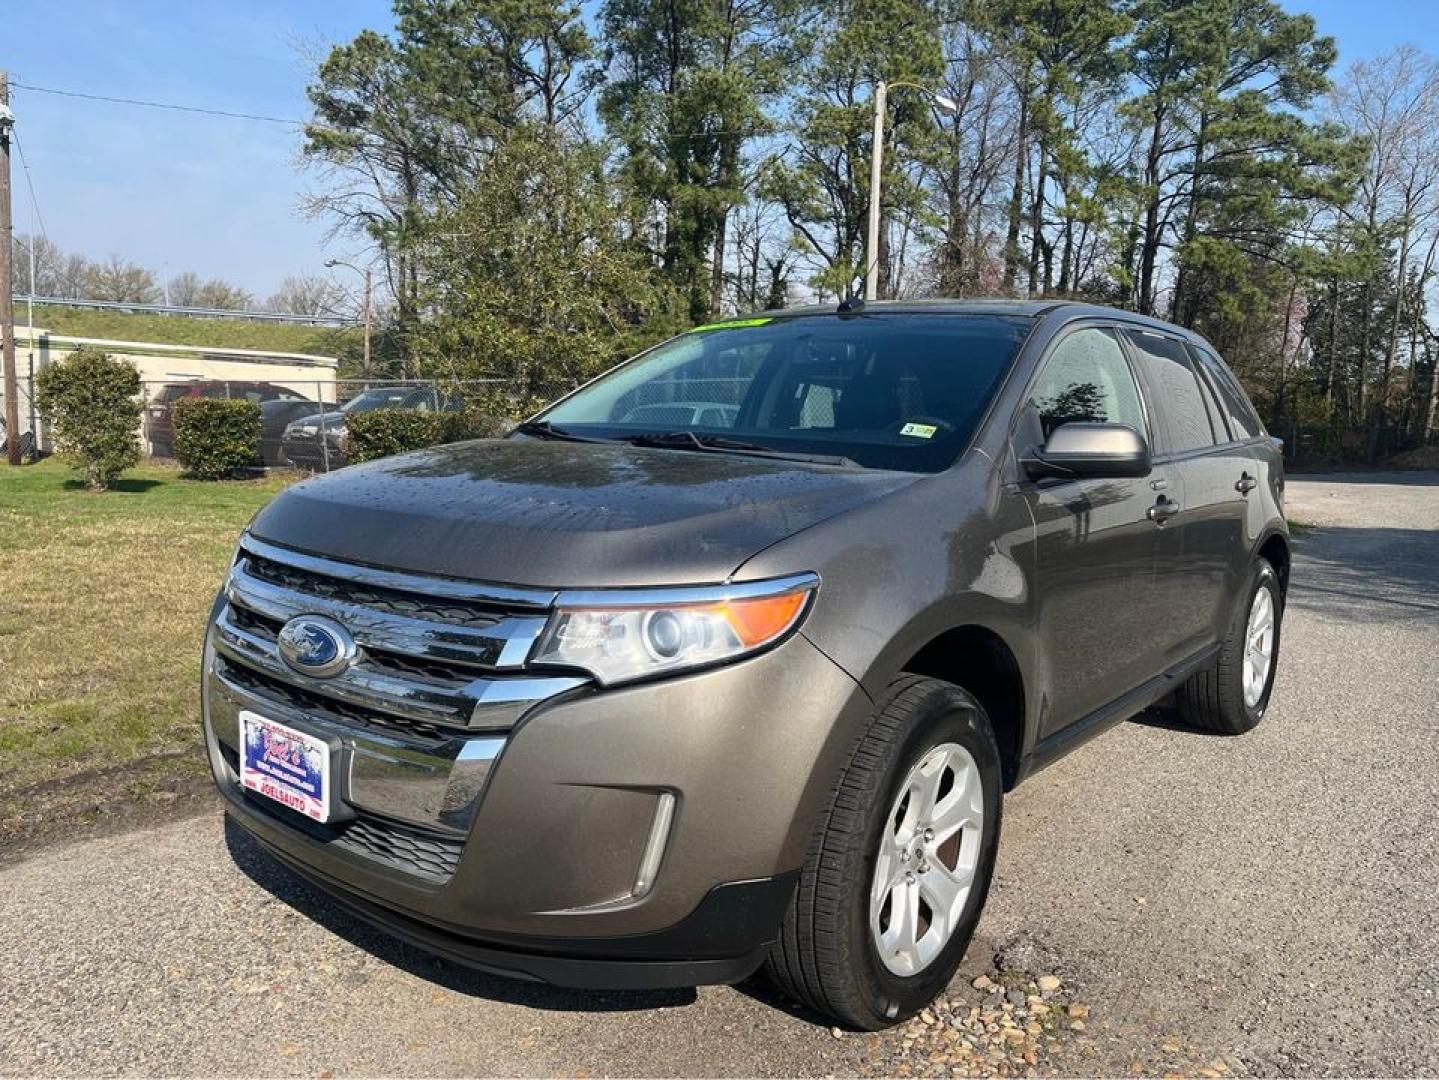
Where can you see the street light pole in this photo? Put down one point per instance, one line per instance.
(330, 264)
(876, 168)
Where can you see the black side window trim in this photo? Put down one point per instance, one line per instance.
(1208, 363)
(1207, 395)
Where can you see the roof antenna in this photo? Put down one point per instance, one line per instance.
(854, 303)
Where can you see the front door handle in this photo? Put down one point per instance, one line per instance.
(1245, 484)
(1163, 510)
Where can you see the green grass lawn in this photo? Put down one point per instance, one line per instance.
(189, 330)
(103, 599)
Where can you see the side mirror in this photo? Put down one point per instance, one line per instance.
(1090, 450)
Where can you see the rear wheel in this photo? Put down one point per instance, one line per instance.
(1231, 695)
(901, 861)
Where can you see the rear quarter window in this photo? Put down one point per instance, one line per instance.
(1243, 420)
(1183, 401)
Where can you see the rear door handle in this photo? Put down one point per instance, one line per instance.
(1163, 510)
(1245, 484)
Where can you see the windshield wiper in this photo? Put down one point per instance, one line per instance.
(543, 429)
(720, 444)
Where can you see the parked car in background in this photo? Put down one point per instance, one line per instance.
(275, 417)
(684, 414)
(319, 442)
(621, 703)
(160, 424)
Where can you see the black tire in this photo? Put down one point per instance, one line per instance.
(1212, 699)
(825, 956)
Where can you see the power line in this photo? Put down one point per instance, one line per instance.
(30, 184)
(157, 105)
(748, 134)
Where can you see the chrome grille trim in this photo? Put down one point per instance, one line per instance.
(356, 686)
(418, 718)
(505, 644)
(459, 670)
(246, 683)
(503, 596)
(481, 703)
(431, 780)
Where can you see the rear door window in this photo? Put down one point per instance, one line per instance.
(1190, 419)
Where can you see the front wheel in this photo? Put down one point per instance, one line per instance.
(901, 862)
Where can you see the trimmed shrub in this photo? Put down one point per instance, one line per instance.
(216, 437)
(382, 432)
(93, 404)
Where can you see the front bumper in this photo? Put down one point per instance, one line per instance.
(722, 941)
(310, 452)
(641, 836)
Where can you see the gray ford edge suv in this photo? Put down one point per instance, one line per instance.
(608, 703)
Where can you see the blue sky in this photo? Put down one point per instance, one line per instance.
(221, 197)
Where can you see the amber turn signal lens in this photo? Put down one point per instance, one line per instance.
(763, 619)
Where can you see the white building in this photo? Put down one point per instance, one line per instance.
(311, 376)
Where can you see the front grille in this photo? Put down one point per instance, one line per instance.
(262, 686)
(401, 847)
(385, 601)
(437, 679)
(406, 849)
(425, 662)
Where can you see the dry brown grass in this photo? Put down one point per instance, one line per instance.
(102, 602)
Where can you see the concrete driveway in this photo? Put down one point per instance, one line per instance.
(1208, 905)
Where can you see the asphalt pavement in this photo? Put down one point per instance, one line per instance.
(1264, 904)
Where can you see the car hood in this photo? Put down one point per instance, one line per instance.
(333, 419)
(559, 515)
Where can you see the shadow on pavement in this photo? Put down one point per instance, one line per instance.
(1166, 717)
(290, 889)
(1407, 478)
(1367, 575)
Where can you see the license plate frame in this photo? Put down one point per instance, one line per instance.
(286, 765)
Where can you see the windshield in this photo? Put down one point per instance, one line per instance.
(889, 391)
(385, 397)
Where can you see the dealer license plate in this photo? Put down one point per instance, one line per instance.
(285, 765)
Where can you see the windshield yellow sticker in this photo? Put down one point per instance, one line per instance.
(732, 324)
(919, 431)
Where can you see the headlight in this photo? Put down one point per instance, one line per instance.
(619, 635)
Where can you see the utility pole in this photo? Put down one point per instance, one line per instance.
(7, 313)
(876, 156)
(367, 320)
(876, 171)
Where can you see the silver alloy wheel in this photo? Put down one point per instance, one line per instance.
(1258, 646)
(928, 853)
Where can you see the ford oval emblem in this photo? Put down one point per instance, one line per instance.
(316, 646)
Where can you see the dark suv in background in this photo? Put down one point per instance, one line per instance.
(160, 423)
(320, 440)
(617, 701)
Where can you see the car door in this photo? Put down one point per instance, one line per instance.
(1095, 542)
(1197, 572)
